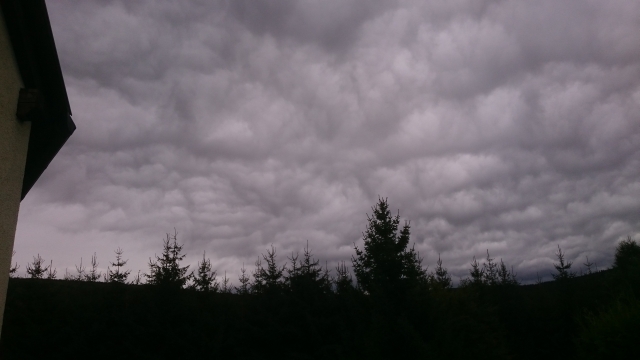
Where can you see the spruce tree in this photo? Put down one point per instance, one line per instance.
(490, 271)
(117, 275)
(51, 272)
(506, 277)
(93, 274)
(205, 279)
(441, 278)
(563, 267)
(343, 281)
(35, 270)
(627, 255)
(307, 276)
(271, 279)
(385, 263)
(166, 271)
(245, 285)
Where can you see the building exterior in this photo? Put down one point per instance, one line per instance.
(35, 117)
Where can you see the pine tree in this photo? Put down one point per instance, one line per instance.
(385, 264)
(35, 270)
(166, 271)
(205, 279)
(627, 255)
(93, 274)
(81, 272)
(563, 267)
(343, 280)
(476, 273)
(245, 286)
(490, 271)
(307, 276)
(506, 277)
(441, 278)
(589, 265)
(117, 275)
(51, 272)
(271, 279)
(226, 287)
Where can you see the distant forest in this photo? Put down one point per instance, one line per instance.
(386, 306)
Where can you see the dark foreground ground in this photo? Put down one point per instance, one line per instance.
(590, 317)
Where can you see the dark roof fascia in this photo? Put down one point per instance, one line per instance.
(35, 51)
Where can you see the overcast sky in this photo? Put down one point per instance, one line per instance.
(512, 126)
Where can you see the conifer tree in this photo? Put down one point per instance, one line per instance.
(627, 255)
(205, 279)
(307, 276)
(93, 274)
(35, 270)
(490, 271)
(385, 263)
(51, 272)
(343, 280)
(81, 272)
(476, 273)
(245, 286)
(226, 287)
(506, 277)
(588, 265)
(117, 275)
(271, 279)
(166, 271)
(563, 267)
(441, 277)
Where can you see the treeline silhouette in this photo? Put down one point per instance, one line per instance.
(391, 307)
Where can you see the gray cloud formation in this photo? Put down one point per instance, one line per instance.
(511, 126)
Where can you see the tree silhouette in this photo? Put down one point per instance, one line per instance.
(51, 272)
(117, 275)
(245, 286)
(271, 279)
(35, 270)
(563, 267)
(490, 272)
(385, 263)
(166, 271)
(81, 270)
(226, 287)
(589, 265)
(627, 255)
(440, 278)
(476, 274)
(506, 277)
(307, 277)
(343, 280)
(205, 279)
(93, 274)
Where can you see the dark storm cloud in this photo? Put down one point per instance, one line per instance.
(510, 126)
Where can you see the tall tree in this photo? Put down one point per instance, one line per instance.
(440, 277)
(506, 277)
(490, 271)
(476, 274)
(343, 280)
(118, 275)
(14, 268)
(271, 279)
(205, 278)
(307, 276)
(563, 267)
(245, 282)
(627, 255)
(385, 263)
(166, 271)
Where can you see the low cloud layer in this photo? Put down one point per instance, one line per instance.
(511, 126)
